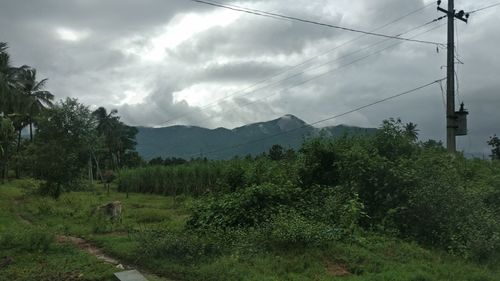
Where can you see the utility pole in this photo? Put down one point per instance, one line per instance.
(451, 118)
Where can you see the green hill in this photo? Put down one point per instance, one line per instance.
(221, 143)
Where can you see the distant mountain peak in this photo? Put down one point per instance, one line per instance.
(186, 141)
(289, 122)
(289, 116)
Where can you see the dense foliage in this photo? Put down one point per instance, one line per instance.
(67, 142)
(64, 134)
(338, 188)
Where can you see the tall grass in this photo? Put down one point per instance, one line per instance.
(190, 179)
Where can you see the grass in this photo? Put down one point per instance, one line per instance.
(34, 257)
(375, 258)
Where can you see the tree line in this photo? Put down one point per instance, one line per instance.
(68, 142)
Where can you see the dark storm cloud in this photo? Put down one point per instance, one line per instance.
(112, 17)
(108, 64)
(30, 29)
(253, 37)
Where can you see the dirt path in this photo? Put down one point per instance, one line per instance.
(86, 246)
(79, 242)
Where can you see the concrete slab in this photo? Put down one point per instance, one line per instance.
(130, 275)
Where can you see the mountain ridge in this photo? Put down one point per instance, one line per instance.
(187, 142)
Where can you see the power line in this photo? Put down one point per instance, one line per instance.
(218, 101)
(274, 15)
(485, 8)
(334, 70)
(338, 68)
(326, 119)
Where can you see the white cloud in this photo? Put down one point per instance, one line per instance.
(67, 34)
(182, 27)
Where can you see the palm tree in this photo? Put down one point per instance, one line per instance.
(411, 131)
(35, 98)
(117, 136)
(108, 125)
(7, 80)
(10, 98)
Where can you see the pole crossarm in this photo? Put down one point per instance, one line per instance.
(461, 15)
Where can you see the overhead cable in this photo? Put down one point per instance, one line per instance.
(328, 118)
(274, 15)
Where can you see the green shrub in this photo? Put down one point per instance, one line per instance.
(234, 177)
(244, 208)
(318, 163)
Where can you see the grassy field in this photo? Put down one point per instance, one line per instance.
(29, 225)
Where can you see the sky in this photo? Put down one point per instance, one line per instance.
(169, 62)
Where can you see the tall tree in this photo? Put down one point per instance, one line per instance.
(64, 136)
(35, 98)
(107, 128)
(10, 99)
(411, 131)
(118, 137)
(7, 81)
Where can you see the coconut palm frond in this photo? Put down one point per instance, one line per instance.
(3, 47)
(40, 85)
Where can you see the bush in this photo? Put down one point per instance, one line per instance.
(244, 208)
(448, 207)
(318, 163)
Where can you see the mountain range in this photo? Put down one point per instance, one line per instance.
(221, 143)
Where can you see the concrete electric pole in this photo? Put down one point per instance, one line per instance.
(451, 117)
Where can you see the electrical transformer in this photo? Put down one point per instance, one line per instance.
(461, 120)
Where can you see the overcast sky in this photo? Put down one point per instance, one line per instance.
(166, 62)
